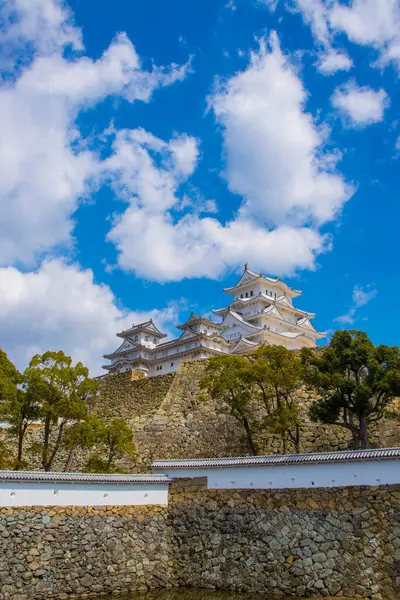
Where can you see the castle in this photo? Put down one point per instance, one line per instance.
(261, 311)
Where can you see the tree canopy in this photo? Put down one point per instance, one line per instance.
(277, 373)
(114, 441)
(9, 377)
(356, 382)
(61, 390)
(225, 379)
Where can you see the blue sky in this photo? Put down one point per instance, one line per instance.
(149, 149)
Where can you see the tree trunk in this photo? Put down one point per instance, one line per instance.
(21, 434)
(70, 460)
(284, 442)
(55, 449)
(111, 456)
(363, 432)
(297, 439)
(45, 453)
(249, 436)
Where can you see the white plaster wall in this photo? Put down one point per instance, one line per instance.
(81, 494)
(370, 472)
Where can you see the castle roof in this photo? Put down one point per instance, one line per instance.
(249, 276)
(195, 320)
(146, 327)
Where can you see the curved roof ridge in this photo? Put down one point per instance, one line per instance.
(281, 459)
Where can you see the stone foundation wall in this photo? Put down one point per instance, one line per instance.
(57, 552)
(342, 542)
(322, 542)
(170, 420)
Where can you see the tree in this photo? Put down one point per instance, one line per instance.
(82, 435)
(17, 407)
(5, 458)
(61, 390)
(116, 442)
(224, 380)
(19, 411)
(277, 372)
(356, 382)
(9, 377)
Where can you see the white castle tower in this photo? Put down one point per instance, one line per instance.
(261, 311)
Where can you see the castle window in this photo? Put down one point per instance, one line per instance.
(247, 295)
(241, 295)
(172, 364)
(136, 338)
(146, 339)
(251, 293)
(154, 341)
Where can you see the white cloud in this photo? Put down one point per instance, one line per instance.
(156, 247)
(374, 23)
(370, 22)
(276, 160)
(275, 153)
(46, 25)
(315, 13)
(45, 164)
(332, 61)
(59, 306)
(361, 105)
(360, 297)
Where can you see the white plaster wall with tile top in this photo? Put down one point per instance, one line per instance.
(80, 489)
(325, 469)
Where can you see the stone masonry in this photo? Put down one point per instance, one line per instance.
(57, 552)
(171, 419)
(305, 543)
(323, 542)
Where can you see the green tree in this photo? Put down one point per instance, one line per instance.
(20, 410)
(17, 408)
(61, 390)
(5, 457)
(82, 435)
(277, 372)
(115, 441)
(225, 380)
(356, 382)
(9, 377)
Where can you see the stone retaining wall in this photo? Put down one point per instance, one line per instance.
(322, 542)
(171, 419)
(57, 552)
(341, 541)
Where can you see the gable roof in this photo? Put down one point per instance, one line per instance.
(147, 327)
(240, 319)
(243, 344)
(126, 346)
(273, 312)
(248, 276)
(194, 319)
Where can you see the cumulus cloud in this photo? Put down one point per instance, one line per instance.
(273, 147)
(374, 23)
(370, 22)
(276, 160)
(315, 14)
(332, 61)
(360, 298)
(362, 106)
(46, 165)
(46, 25)
(59, 306)
(156, 246)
